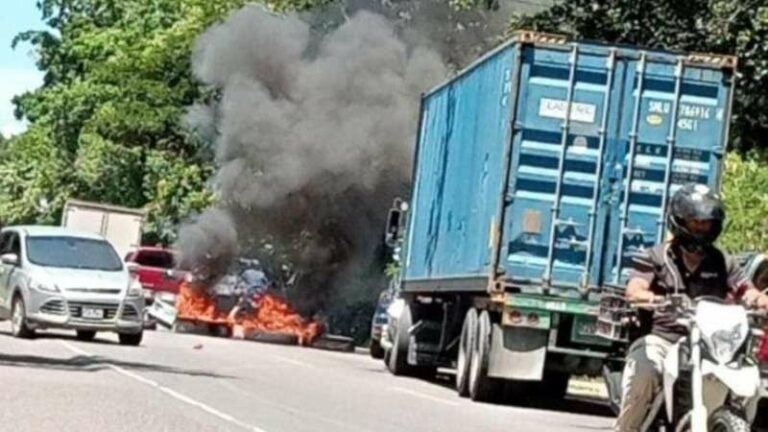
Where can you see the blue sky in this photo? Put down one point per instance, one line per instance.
(17, 67)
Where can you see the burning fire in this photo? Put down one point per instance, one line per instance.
(194, 304)
(268, 313)
(272, 314)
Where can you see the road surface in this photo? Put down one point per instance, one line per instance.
(190, 383)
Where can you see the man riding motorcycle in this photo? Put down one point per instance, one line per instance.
(689, 264)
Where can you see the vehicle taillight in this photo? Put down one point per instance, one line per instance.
(762, 353)
(533, 318)
(516, 317)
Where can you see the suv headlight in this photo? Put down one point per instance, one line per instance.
(50, 288)
(135, 289)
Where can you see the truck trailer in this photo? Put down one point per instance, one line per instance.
(539, 172)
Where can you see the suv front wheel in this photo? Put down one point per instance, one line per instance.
(19, 327)
(132, 339)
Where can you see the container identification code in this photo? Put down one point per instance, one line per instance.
(556, 108)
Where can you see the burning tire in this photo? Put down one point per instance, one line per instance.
(467, 341)
(481, 386)
(274, 338)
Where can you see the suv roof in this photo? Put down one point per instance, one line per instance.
(52, 230)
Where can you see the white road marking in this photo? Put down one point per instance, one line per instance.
(170, 392)
(293, 361)
(423, 395)
(288, 409)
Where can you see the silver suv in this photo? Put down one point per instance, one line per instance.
(54, 277)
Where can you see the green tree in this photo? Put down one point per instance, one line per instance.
(117, 81)
(745, 190)
(737, 27)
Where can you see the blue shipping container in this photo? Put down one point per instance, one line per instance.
(510, 190)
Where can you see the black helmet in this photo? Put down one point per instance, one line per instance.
(695, 202)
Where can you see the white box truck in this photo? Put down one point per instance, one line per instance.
(121, 226)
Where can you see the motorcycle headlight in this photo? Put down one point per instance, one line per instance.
(50, 288)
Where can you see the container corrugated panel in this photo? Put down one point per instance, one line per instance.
(460, 169)
(565, 192)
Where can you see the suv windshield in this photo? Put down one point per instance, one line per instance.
(73, 252)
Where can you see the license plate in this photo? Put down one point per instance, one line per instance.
(93, 313)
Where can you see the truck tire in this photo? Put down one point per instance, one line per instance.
(19, 327)
(398, 355)
(466, 342)
(482, 387)
(376, 350)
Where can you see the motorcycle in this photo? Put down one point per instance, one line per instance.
(711, 380)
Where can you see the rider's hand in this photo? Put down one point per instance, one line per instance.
(756, 299)
(762, 302)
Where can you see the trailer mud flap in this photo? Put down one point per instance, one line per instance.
(517, 353)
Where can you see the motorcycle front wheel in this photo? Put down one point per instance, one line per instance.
(726, 420)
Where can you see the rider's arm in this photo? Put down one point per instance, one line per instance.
(640, 279)
(743, 288)
(639, 291)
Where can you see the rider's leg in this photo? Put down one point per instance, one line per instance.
(641, 381)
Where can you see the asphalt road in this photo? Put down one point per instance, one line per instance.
(192, 383)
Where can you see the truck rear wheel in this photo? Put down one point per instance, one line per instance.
(481, 386)
(466, 342)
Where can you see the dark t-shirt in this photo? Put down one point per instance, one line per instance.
(662, 266)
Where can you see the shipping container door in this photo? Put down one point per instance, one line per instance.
(557, 204)
(673, 132)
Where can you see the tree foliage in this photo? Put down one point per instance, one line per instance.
(737, 27)
(105, 125)
(745, 191)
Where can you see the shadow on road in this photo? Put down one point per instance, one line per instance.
(83, 363)
(572, 404)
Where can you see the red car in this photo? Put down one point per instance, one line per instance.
(156, 270)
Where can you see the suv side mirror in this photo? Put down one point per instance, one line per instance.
(132, 267)
(10, 259)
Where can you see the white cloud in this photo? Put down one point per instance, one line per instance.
(15, 81)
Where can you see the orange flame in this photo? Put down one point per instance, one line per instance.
(194, 304)
(270, 314)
